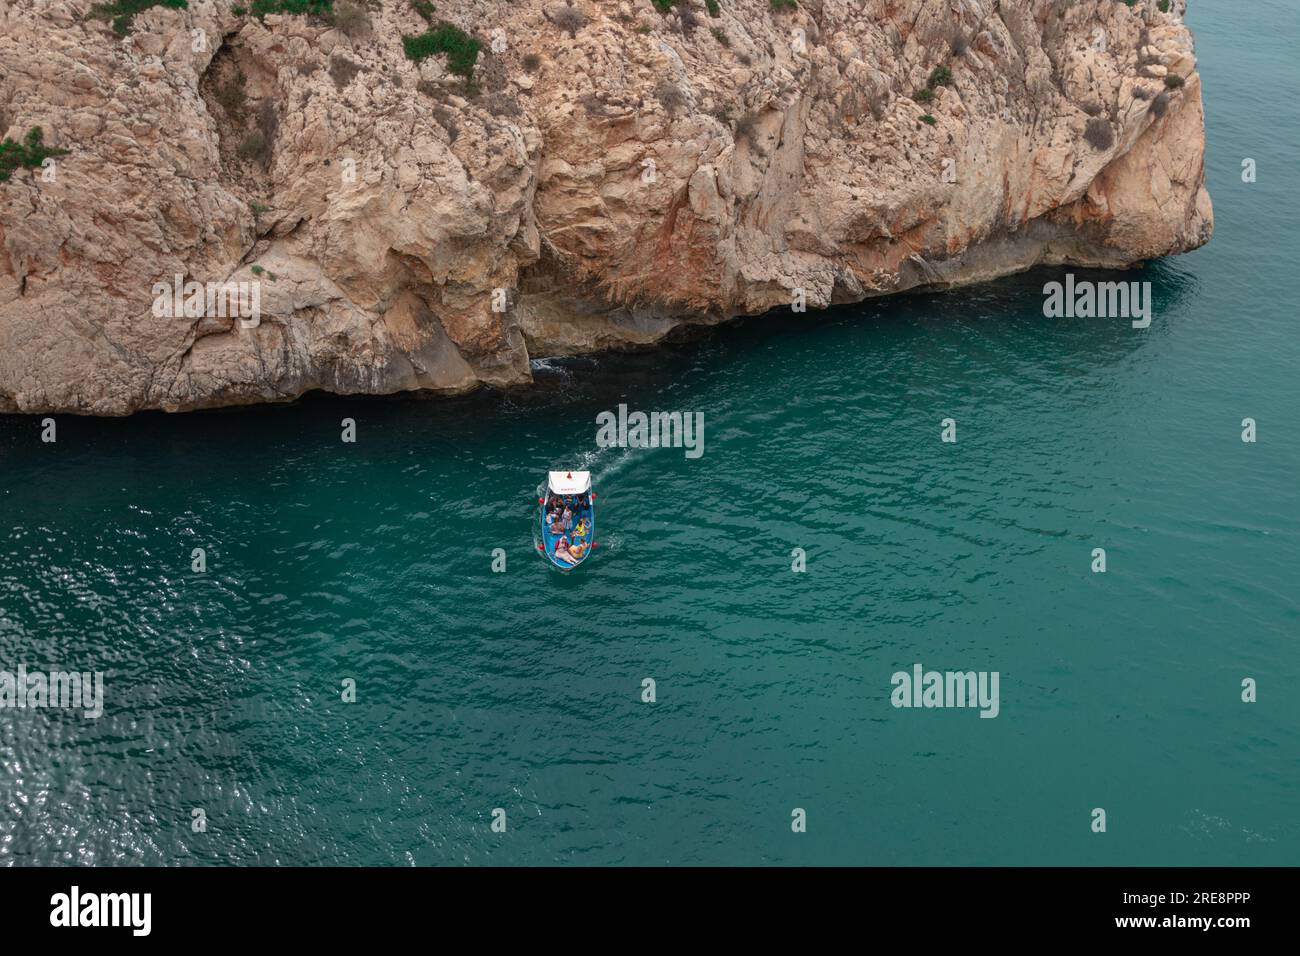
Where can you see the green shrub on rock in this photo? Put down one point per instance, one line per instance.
(31, 153)
(461, 48)
(1099, 134)
(122, 12)
(940, 76)
(318, 8)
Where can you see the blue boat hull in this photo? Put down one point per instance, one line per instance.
(549, 539)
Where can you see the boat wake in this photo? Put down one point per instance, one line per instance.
(603, 463)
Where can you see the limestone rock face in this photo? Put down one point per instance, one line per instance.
(611, 173)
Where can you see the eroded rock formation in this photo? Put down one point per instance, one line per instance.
(612, 172)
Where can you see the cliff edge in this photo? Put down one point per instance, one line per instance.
(424, 195)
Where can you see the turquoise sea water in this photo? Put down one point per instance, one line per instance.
(521, 690)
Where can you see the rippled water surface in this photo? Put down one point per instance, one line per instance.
(521, 690)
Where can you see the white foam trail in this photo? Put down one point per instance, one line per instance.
(620, 461)
(548, 364)
(603, 463)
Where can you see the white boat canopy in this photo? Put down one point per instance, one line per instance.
(570, 482)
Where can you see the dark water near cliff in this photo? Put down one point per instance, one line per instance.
(521, 690)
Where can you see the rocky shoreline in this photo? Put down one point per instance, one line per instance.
(600, 174)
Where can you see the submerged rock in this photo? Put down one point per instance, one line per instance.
(609, 174)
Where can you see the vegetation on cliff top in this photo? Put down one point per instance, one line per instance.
(570, 20)
(1099, 134)
(939, 76)
(122, 12)
(319, 8)
(461, 48)
(351, 19)
(29, 154)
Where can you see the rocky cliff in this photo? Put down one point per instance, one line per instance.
(531, 177)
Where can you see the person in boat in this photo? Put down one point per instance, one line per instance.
(567, 518)
(562, 551)
(577, 550)
(557, 523)
(580, 529)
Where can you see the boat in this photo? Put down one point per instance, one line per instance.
(571, 488)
